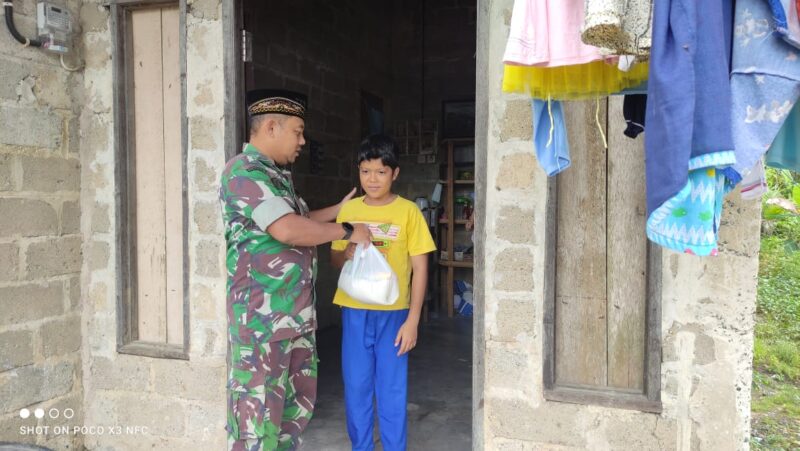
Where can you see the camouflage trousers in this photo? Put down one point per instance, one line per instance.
(271, 393)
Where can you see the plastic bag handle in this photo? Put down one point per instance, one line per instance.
(358, 258)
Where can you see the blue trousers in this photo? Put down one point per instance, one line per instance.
(372, 368)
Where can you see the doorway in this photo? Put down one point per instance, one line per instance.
(407, 69)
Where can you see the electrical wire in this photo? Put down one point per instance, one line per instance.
(67, 68)
(8, 7)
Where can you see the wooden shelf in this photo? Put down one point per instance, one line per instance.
(452, 185)
(456, 263)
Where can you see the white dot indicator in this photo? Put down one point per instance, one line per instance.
(69, 413)
(24, 413)
(38, 413)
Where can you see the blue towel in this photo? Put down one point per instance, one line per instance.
(552, 149)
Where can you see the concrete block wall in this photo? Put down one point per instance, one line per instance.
(40, 240)
(433, 60)
(175, 404)
(330, 53)
(41, 246)
(707, 306)
(449, 53)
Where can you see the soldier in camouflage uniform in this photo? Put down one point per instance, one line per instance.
(272, 261)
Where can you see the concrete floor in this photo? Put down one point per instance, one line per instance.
(440, 391)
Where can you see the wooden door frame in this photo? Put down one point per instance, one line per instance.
(125, 175)
(234, 120)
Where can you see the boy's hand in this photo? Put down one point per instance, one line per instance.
(406, 336)
(350, 251)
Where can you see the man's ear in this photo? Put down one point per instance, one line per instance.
(396, 173)
(269, 127)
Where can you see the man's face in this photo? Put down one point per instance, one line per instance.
(287, 139)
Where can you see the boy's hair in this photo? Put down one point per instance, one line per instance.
(379, 147)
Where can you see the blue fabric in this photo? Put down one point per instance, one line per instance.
(553, 155)
(778, 13)
(765, 82)
(784, 153)
(687, 131)
(784, 19)
(689, 222)
(371, 367)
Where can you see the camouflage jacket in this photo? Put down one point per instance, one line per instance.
(270, 288)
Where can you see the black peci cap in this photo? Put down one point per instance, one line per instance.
(276, 101)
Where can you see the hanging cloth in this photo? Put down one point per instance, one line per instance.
(584, 81)
(784, 153)
(785, 20)
(546, 58)
(688, 132)
(634, 107)
(550, 136)
(547, 33)
(765, 84)
(618, 27)
(754, 183)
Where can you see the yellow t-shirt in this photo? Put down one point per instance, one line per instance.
(399, 231)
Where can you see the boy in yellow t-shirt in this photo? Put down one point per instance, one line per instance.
(376, 339)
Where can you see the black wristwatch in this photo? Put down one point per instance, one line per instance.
(348, 230)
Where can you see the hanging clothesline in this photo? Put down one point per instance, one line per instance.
(719, 89)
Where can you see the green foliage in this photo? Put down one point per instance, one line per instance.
(782, 183)
(776, 417)
(778, 291)
(780, 208)
(796, 194)
(780, 358)
(776, 354)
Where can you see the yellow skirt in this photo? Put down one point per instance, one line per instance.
(581, 81)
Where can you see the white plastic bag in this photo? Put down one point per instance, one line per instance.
(368, 278)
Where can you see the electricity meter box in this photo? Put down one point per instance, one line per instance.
(55, 26)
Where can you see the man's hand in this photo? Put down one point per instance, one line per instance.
(406, 336)
(329, 214)
(361, 235)
(347, 197)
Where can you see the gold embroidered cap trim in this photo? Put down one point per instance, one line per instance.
(277, 105)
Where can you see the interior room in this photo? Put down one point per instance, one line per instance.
(405, 68)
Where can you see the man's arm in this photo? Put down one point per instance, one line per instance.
(407, 335)
(301, 231)
(329, 214)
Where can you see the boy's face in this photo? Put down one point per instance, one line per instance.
(376, 179)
